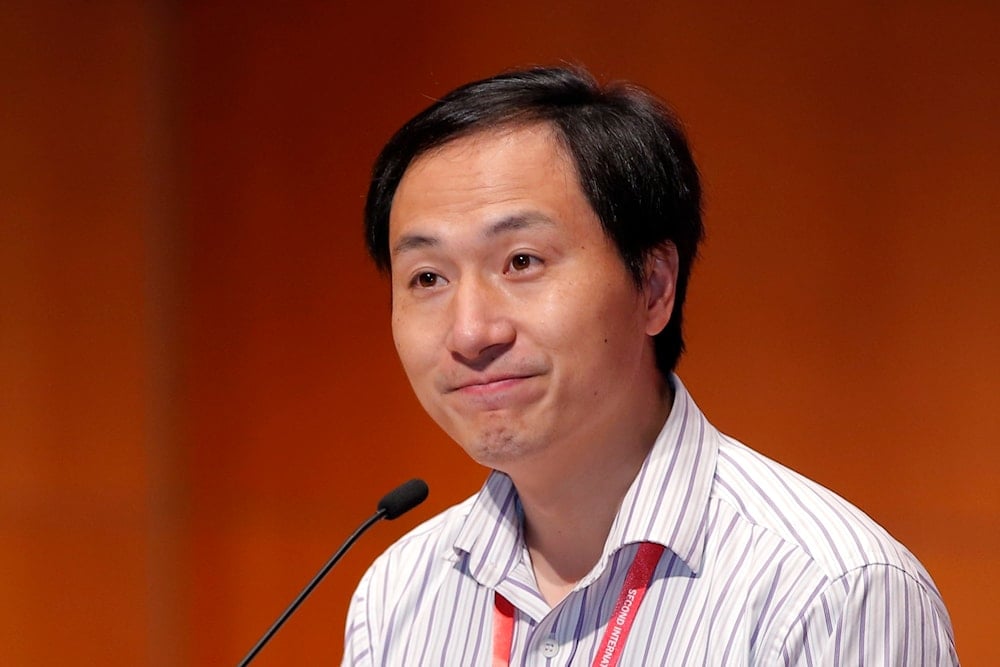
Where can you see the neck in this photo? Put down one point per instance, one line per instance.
(569, 509)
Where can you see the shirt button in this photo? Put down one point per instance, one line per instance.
(550, 648)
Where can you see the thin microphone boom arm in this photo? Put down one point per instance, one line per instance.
(396, 502)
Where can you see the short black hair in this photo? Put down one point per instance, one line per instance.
(629, 149)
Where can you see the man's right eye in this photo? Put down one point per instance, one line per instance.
(425, 280)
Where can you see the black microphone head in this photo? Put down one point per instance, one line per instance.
(403, 498)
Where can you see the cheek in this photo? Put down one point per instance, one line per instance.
(614, 335)
(401, 338)
(416, 351)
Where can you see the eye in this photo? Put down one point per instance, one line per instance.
(426, 280)
(522, 262)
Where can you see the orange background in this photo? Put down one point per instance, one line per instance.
(200, 398)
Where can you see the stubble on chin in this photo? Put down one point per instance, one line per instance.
(496, 447)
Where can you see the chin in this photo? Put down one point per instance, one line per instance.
(497, 448)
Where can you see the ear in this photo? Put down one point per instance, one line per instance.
(661, 283)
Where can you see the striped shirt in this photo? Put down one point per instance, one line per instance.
(761, 567)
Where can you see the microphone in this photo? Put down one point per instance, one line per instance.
(395, 503)
(403, 498)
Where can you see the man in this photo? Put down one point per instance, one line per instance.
(539, 232)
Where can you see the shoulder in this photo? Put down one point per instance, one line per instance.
(837, 536)
(399, 577)
(856, 589)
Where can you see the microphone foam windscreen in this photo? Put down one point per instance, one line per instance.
(403, 498)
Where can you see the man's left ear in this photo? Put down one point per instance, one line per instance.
(661, 283)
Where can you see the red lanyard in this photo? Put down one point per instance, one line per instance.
(640, 573)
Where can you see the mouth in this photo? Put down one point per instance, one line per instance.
(487, 384)
(493, 392)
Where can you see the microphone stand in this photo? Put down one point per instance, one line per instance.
(372, 520)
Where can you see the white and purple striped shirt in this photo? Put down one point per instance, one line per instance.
(761, 567)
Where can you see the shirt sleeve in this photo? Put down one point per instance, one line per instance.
(873, 615)
(358, 646)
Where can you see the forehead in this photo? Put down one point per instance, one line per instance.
(536, 149)
(488, 174)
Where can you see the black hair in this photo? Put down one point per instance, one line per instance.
(629, 149)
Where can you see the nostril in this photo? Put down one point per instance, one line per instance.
(483, 358)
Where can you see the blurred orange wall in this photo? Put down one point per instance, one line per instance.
(87, 525)
(200, 395)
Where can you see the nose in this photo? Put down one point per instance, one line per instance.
(481, 327)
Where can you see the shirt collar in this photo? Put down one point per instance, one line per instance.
(491, 534)
(667, 502)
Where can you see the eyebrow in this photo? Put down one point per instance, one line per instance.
(502, 226)
(412, 242)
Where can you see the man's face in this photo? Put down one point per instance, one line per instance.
(515, 319)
